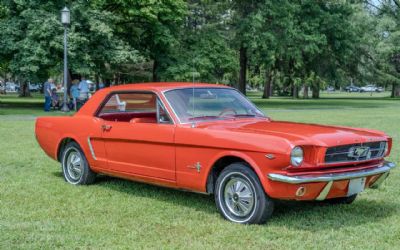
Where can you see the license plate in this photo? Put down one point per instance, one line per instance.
(356, 186)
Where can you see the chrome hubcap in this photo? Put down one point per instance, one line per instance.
(74, 165)
(239, 197)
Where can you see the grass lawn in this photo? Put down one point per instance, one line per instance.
(39, 210)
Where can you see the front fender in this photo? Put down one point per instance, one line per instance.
(257, 161)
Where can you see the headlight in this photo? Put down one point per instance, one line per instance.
(296, 156)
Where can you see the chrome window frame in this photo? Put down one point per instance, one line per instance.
(158, 100)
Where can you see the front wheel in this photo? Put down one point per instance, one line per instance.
(240, 197)
(75, 167)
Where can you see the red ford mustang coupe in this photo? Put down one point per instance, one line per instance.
(210, 139)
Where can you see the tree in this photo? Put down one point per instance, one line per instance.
(32, 39)
(387, 54)
(204, 50)
(151, 26)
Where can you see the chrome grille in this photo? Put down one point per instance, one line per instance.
(355, 152)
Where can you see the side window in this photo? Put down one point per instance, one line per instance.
(134, 108)
(130, 102)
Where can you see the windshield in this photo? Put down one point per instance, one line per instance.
(210, 103)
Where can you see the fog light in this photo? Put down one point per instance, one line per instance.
(300, 191)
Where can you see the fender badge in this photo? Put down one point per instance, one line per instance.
(196, 166)
(270, 156)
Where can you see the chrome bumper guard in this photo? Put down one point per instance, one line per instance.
(383, 169)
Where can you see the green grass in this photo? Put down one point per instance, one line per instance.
(39, 210)
(11, 104)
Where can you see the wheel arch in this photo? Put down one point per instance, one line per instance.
(224, 160)
(61, 145)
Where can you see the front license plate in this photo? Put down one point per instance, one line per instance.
(356, 186)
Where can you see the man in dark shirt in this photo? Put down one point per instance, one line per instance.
(47, 94)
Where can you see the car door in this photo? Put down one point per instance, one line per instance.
(138, 135)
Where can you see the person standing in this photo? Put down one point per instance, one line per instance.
(47, 94)
(74, 91)
(83, 89)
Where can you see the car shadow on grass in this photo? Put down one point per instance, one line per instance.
(311, 216)
(196, 201)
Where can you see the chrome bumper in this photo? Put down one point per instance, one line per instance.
(383, 169)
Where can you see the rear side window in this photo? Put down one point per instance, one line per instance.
(130, 102)
(134, 108)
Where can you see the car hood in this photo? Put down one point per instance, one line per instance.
(300, 133)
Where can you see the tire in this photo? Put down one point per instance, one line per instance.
(342, 200)
(75, 166)
(240, 197)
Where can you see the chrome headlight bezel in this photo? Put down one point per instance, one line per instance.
(297, 156)
(386, 149)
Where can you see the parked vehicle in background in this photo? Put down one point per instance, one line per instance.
(352, 89)
(368, 88)
(11, 87)
(330, 89)
(35, 87)
(380, 89)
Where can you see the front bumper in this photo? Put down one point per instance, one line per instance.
(382, 170)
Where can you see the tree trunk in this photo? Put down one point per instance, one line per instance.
(295, 91)
(107, 83)
(395, 90)
(315, 90)
(97, 79)
(4, 83)
(305, 91)
(155, 71)
(243, 69)
(268, 84)
(25, 90)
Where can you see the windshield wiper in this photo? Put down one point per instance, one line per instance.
(203, 117)
(245, 115)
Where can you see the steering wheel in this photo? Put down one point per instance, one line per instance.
(226, 111)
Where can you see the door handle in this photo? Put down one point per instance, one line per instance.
(106, 127)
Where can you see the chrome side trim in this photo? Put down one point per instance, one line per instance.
(325, 191)
(384, 168)
(91, 148)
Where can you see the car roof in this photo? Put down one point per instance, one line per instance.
(93, 103)
(162, 86)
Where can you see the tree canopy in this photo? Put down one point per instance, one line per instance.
(280, 47)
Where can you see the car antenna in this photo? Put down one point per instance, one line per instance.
(193, 117)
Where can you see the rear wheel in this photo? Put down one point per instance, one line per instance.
(75, 167)
(240, 197)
